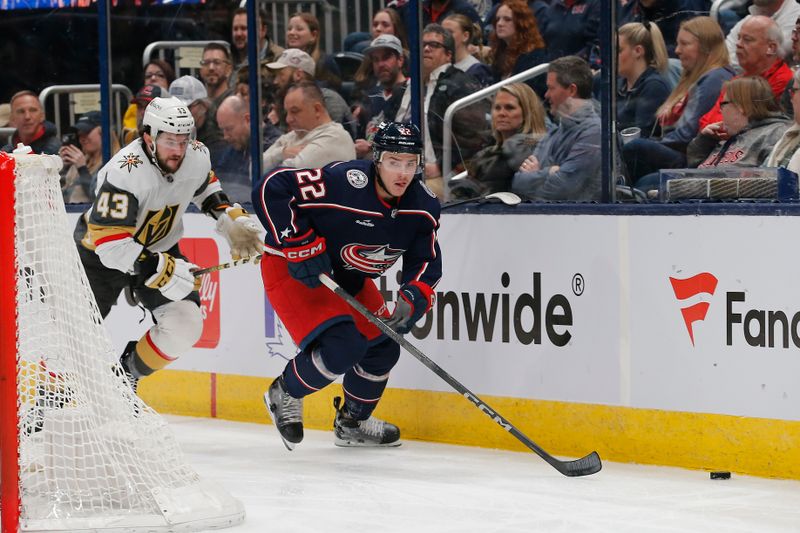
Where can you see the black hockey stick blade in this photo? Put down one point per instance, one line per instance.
(585, 466)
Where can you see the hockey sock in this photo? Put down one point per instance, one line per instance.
(365, 382)
(147, 358)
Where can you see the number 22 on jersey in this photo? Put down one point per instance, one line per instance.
(311, 184)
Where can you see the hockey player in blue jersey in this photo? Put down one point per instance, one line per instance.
(352, 220)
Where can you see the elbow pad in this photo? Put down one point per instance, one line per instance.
(120, 254)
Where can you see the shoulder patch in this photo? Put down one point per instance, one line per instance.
(426, 189)
(357, 178)
(197, 145)
(130, 160)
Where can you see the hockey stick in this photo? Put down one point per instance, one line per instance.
(579, 467)
(508, 198)
(254, 259)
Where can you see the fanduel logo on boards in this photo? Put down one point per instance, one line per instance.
(756, 327)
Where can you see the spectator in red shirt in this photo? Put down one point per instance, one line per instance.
(33, 130)
(760, 52)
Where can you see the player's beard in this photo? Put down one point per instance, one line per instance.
(171, 164)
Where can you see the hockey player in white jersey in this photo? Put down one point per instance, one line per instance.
(129, 237)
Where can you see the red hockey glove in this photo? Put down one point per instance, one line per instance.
(307, 258)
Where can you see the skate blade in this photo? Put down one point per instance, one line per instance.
(344, 443)
(271, 407)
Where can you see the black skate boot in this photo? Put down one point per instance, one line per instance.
(370, 432)
(126, 362)
(286, 413)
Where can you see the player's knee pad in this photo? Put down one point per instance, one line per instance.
(336, 350)
(341, 346)
(178, 327)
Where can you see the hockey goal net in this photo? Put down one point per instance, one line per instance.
(80, 451)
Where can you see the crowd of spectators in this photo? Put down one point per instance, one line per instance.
(692, 91)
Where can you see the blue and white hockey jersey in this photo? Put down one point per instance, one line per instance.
(364, 234)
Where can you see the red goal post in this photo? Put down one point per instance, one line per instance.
(9, 440)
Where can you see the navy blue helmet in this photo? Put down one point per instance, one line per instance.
(397, 137)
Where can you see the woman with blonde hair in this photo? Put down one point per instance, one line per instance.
(752, 123)
(464, 30)
(641, 65)
(304, 32)
(704, 60)
(518, 123)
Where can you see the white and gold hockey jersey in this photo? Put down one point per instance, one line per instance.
(137, 207)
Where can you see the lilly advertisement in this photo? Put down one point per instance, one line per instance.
(698, 314)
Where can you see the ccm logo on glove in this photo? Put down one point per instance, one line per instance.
(305, 253)
(307, 258)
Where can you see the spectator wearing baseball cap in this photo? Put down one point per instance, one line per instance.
(86, 123)
(381, 75)
(82, 154)
(143, 97)
(294, 66)
(146, 94)
(188, 89)
(192, 92)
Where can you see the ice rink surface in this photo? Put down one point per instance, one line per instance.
(424, 487)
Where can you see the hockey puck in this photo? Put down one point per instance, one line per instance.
(720, 475)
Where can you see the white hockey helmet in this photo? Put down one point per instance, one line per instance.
(168, 115)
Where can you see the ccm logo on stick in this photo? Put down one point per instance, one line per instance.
(488, 410)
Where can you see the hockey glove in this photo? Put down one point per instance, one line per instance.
(242, 232)
(170, 275)
(307, 258)
(414, 300)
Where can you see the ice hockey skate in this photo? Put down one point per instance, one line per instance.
(349, 432)
(125, 362)
(286, 413)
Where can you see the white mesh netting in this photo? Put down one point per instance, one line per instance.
(92, 454)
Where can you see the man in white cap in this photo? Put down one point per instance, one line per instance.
(188, 90)
(193, 94)
(388, 100)
(294, 66)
